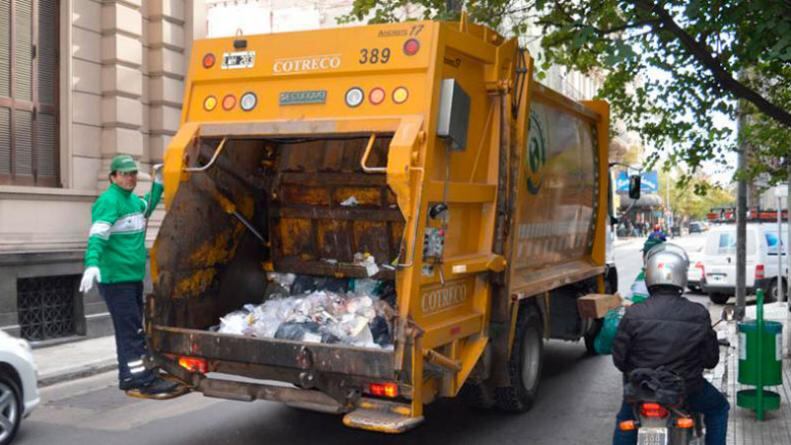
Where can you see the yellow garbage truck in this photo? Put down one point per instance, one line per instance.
(480, 196)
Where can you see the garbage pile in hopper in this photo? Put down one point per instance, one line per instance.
(355, 312)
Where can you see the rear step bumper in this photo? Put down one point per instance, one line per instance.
(382, 417)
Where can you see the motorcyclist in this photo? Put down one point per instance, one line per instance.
(669, 331)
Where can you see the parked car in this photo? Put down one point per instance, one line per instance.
(719, 261)
(18, 388)
(696, 227)
(696, 274)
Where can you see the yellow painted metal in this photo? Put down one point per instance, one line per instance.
(602, 108)
(445, 306)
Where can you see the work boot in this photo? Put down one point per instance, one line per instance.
(158, 389)
(159, 386)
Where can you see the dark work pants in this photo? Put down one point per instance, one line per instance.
(125, 302)
(707, 401)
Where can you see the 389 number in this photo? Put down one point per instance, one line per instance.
(374, 55)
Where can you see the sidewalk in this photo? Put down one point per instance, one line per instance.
(70, 361)
(743, 428)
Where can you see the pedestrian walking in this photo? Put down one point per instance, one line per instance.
(116, 259)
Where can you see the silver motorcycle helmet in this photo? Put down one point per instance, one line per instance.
(666, 265)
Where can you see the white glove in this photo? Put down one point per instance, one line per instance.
(158, 173)
(88, 277)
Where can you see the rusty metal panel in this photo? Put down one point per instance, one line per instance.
(290, 354)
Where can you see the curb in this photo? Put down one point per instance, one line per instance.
(77, 373)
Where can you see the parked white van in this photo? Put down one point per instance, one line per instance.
(719, 261)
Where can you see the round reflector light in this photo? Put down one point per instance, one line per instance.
(354, 97)
(376, 96)
(209, 103)
(228, 102)
(411, 47)
(208, 60)
(248, 101)
(400, 95)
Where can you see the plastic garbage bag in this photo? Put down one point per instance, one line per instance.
(604, 339)
(236, 322)
(350, 202)
(368, 261)
(365, 286)
(299, 331)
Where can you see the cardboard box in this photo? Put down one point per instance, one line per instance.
(596, 305)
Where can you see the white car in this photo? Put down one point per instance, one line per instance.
(696, 274)
(719, 261)
(18, 385)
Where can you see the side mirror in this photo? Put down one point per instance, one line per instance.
(634, 187)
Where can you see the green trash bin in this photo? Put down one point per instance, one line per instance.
(771, 363)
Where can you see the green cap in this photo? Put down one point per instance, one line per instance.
(123, 163)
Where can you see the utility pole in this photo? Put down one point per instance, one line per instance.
(741, 223)
(788, 259)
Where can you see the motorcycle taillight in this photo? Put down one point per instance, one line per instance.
(653, 410)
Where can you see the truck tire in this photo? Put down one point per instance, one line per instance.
(719, 298)
(771, 293)
(524, 366)
(477, 395)
(590, 336)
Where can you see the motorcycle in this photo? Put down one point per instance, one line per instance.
(657, 397)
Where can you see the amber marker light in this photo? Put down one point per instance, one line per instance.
(210, 103)
(376, 96)
(400, 95)
(228, 102)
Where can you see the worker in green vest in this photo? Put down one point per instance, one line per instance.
(116, 259)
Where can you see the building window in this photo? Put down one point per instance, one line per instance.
(29, 92)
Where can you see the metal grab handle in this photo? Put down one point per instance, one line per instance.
(211, 161)
(367, 153)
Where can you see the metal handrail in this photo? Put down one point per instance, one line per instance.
(367, 153)
(214, 157)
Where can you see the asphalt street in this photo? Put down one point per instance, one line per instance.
(578, 398)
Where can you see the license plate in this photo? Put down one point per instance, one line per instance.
(652, 436)
(237, 60)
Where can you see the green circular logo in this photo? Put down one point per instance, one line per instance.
(536, 156)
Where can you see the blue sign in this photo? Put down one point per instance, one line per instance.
(649, 182)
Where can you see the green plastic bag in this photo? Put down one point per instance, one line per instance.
(604, 339)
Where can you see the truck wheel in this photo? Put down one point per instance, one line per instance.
(590, 336)
(477, 395)
(719, 298)
(524, 366)
(771, 294)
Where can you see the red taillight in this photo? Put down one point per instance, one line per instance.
(760, 273)
(208, 60)
(194, 364)
(653, 410)
(383, 389)
(411, 47)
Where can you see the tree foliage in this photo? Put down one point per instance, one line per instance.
(676, 71)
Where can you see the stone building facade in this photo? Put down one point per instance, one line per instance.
(117, 70)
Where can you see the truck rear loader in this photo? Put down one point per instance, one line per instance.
(482, 196)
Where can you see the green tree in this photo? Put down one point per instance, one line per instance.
(671, 66)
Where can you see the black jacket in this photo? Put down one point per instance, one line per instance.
(667, 330)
